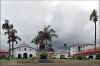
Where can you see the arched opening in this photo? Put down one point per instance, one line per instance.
(19, 55)
(98, 57)
(62, 56)
(25, 55)
(30, 55)
(90, 57)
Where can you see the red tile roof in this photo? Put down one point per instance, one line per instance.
(90, 51)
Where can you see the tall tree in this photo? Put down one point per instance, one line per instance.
(49, 33)
(14, 38)
(11, 35)
(94, 17)
(6, 26)
(46, 35)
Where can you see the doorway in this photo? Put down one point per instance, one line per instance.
(30, 55)
(25, 55)
(19, 55)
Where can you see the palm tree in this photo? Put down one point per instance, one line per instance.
(49, 34)
(6, 26)
(39, 40)
(45, 35)
(36, 41)
(94, 17)
(14, 38)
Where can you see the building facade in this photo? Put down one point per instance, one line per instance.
(24, 51)
(86, 50)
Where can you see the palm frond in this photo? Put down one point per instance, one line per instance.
(91, 16)
(18, 38)
(52, 30)
(14, 31)
(16, 42)
(32, 41)
(5, 26)
(48, 26)
(11, 26)
(54, 35)
(5, 33)
(8, 41)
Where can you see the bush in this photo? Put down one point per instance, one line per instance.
(34, 58)
(4, 57)
(80, 57)
(43, 55)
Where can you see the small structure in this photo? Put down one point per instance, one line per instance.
(62, 55)
(51, 55)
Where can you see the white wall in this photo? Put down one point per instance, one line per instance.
(58, 55)
(73, 50)
(21, 51)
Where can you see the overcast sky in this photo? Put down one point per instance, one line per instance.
(70, 19)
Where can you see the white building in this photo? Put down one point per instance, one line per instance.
(24, 51)
(73, 50)
(85, 47)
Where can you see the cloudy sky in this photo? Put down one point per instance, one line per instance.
(70, 19)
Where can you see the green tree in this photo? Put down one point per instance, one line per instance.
(36, 41)
(49, 33)
(44, 36)
(94, 17)
(14, 39)
(6, 26)
(39, 40)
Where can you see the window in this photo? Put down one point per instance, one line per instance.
(24, 49)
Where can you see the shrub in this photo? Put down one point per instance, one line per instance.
(80, 57)
(3, 57)
(43, 55)
(34, 58)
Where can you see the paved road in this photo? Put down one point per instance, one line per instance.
(67, 63)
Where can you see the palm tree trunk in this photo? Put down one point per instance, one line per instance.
(9, 48)
(46, 44)
(9, 51)
(95, 36)
(12, 49)
(37, 46)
